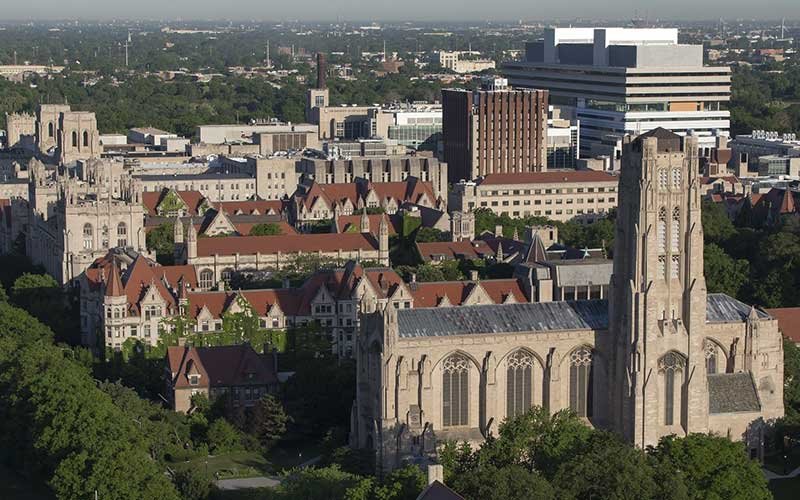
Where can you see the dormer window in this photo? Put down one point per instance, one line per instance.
(194, 379)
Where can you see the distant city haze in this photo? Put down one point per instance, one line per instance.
(390, 10)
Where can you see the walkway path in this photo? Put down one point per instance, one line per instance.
(259, 481)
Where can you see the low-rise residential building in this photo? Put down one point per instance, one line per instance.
(316, 202)
(585, 195)
(235, 372)
(218, 258)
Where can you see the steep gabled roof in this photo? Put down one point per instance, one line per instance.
(221, 366)
(286, 244)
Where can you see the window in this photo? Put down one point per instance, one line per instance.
(227, 274)
(519, 383)
(104, 236)
(85, 139)
(662, 230)
(74, 139)
(675, 267)
(676, 178)
(194, 379)
(455, 391)
(580, 381)
(662, 179)
(675, 229)
(206, 278)
(710, 351)
(88, 233)
(122, 234)
(50, 130)
(671, 368)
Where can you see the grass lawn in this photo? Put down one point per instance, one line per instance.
(288, 454)
(233, 464)
(13, 486)
(785, 489)
(238, 464)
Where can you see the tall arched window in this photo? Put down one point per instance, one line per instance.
(74, 139)
(206, 279)
(88, 236)
(85, 139)
(580, 381)
(50, 130)
(122, 234)
(519, 383)
(710, 351)
(455, 391)
(662, 230)
(675, 231)
(671, 367)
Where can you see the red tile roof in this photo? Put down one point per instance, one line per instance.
(345, 222)
(287, 244)
(548, 177)
(788, 321)
(192, 199)
(262, 301)
(250, 207)
(221, 366)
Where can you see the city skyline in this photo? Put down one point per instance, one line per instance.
(411, 10)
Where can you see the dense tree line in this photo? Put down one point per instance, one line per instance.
(766, 98)
(542, 456)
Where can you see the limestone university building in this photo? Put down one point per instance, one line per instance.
(661, 356)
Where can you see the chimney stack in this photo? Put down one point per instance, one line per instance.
(322, 71)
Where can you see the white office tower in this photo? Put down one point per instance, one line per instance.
(627, 81)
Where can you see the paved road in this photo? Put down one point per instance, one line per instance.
(250, 482)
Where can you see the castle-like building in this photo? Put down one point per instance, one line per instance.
(56, 131)
(660, 356)
(75, 219)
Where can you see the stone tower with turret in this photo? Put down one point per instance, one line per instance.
(658, 297)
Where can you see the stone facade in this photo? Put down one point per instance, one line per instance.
(660, 356)
(74, 221)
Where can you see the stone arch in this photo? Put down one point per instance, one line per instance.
(522, 382)
(720, 364)
(671, 372)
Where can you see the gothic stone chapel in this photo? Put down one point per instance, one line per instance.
(661, 356)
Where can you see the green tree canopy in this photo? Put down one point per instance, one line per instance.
(266, 229)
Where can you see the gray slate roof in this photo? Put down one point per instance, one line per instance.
(506, 318)
(539, 317)
(722, 308)
(732, 392)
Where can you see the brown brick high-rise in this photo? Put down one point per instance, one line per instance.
(494, 131)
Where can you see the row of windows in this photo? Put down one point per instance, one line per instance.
(519, 385)
(88, 236)
(558, 201)
(506, 192)
(568, 211)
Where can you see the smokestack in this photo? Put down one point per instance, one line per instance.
(322, 70)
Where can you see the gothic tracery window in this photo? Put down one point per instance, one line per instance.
(88, 234)
(676, 178)
(455, 391)
(710, 352)
(580, 381)
(206, 280)
(662, 230)
(671, 366)
(662, 179)
(675, 230)
(122, 234)
(519, 383)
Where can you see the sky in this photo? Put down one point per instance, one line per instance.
(391, 10)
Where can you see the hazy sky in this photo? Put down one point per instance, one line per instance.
(396, 9)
